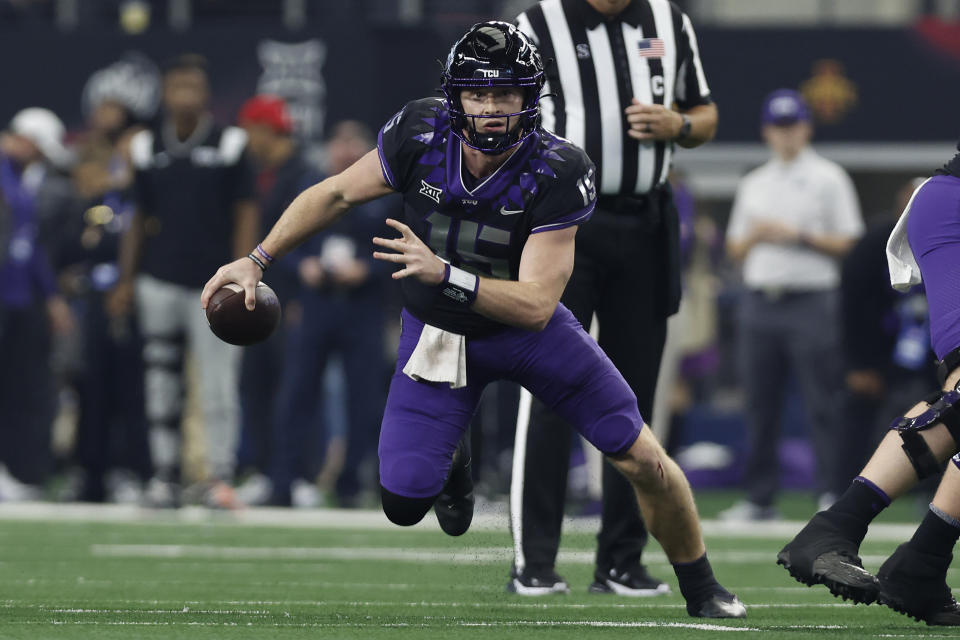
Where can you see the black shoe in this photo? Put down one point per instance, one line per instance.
(719, 604)
(915, 584)
(821, 554)
(454, 505)
(634, 582)
(536, 583)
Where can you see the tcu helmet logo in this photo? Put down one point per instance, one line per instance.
(490, 73)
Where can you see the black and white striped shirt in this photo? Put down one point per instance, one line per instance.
(599, 65)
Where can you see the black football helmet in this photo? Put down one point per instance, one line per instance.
(493, 54)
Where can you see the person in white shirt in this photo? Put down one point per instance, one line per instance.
(793, 219)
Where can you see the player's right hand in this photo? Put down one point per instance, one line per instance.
(244, 272)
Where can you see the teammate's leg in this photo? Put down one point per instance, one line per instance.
(913, 580)
(826, 549)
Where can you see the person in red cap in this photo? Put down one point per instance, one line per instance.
(282, 173)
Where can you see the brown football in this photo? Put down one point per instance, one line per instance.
(230, 320)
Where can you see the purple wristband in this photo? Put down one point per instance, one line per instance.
(263, 253)
(458, 285)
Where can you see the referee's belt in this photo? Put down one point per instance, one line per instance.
(647, 207)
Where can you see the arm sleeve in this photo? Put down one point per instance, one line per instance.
(692, 88)
(569, 200)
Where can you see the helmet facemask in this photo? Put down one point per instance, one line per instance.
(493, 54)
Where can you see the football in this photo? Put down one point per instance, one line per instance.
(230, 320)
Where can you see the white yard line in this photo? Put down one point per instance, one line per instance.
(489, 517)
(470, 555)
(183, 607)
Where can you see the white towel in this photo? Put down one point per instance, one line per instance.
(440, 356)
(904, 271)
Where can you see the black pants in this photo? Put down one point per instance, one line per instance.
(622, 270)
(27, 397)
(112, 426)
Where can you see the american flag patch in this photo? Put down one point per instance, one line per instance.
(651, 48)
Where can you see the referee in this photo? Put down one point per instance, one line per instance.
(627, 86)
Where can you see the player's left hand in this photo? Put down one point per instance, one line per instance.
(418, 260)
(652, 121)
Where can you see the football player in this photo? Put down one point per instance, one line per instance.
(491, 207)
(924, 246)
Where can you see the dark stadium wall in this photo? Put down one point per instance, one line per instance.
(333, 72)
(864, 85)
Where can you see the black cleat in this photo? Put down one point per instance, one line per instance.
(914, 583)
(454, 505)
(820, 554)
(719, 604)
(635, 582)
(536, 583)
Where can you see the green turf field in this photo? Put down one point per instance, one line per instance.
(340, 575)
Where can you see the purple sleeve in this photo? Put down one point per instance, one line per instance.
(569, 199)
(573, 218)
(384, 165)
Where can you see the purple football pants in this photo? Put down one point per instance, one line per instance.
(561, 365)
(933, 229)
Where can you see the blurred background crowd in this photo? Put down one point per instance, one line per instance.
(310, 82)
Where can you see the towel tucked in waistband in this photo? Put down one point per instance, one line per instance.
(440, 356)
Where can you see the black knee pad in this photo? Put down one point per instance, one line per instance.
(946, 366)
(944, 408)
(404, 511)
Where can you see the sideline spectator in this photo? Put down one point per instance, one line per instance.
(195, 201)
(793, 219)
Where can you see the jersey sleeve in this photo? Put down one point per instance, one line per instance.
(691, 87)
(404, 138)
(569, 198)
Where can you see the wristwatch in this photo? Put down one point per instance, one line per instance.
(684, 132)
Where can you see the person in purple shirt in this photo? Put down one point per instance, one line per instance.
(492, 203)
(923, 247)
(30, 304)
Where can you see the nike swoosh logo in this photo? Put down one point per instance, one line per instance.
(509, 212)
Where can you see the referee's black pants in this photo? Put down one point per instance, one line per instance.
(620, 273)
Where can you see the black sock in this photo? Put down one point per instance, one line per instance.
(459, 480)
(696, 579)
(936, 535)
(857, 507)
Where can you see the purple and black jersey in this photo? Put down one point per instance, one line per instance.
(480, 226)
